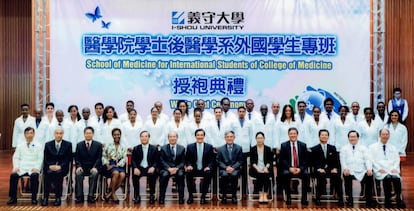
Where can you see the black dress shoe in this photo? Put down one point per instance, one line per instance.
(224, 200)
(12, 201)
(45, 202)
(79, 200)
(34, 201)
(401, 205)
(305, 202)
(181, 201)
(318, 202)
(234, 200)
(288, 202)
(137, 200)
(161, 201)
(350, 203)
(203, 200)
(152, 199)
(91, 199)
(190, 200)
(340, 203)
(57, 202)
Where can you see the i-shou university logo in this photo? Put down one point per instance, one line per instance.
(207, 20)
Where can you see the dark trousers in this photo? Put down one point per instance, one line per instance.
(93, 178)
(262, 182)
(204, 185)
(336, 182)
(152, 178)
(57, 179)
(368, 180)
(387, 183)
(305, 184)
(34, 184)
(165, 176)
(227, 180)
(244, 172)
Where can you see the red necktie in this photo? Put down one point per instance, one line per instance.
(295, 157)
(88, 146)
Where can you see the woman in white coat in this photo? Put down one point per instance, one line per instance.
(398, 132)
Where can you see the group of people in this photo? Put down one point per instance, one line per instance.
(185, 146)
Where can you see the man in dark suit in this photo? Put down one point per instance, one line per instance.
(294, 163)
(172, 160)
(199, 160)
(56, 162)
(144, 163)
(88, 159)
(229, 160)
(325, 163)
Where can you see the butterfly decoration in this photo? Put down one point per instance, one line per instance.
(105, 25)
(94, 16)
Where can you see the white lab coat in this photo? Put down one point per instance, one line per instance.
(50, 135)
(131, 134)
(311, 137)
(216, 135)
(106, 131)
(267, 129)
(280, 134)
(340, 133)
(368, 134)
(357, 161)
(398, 137)
(158, 131)
(193, 127)
(28, 158)
(300, 125)
(387, 161)
(19, 127)
(243, 135)
(183, 131)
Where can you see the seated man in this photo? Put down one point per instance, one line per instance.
(144, 163)
(229, 161)
(57, 159)
(199, 161)
(172, 160)
(386, 165)
(294, 163)
(27, 161)
(325, 163)
(356, 164)
(88, 159)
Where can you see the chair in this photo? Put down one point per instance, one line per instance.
(239, 194)
(104, 185)
(379, 192)
(25, 183)
(328, 196)
(67, 183)
(250, 188)
(297, 197)
(197, 195)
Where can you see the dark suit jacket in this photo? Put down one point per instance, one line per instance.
(62, 158)
(286, 157)
(88, 159)
(236, 157)
(152, 156)
(330, 162)
(166, 160)
(208, 156)
(268, 157)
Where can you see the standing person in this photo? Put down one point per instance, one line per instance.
(88, 159)
(183, 107)
(313, 126)
(199, 161)
(48, 120)
(294, 163)
(398, 132)
(61, 123)
(97, 119)
(129, 105)
(229, 161)
(86, 121)
(302, 117)
(355, 116)
(21, 123)
(341, 127)
(261, 161)
(172, 161)
(329, 113)
(56, 163)
(368, 128)
(163, 117)
(356, 164)
(198, 122)
(38, 117)
(110, 121)
(72, 124)
(382, 114)
(386, 166)
(251, 114)
(131, 129)
(325, 163)
(398, 103)
(145, 159)
(114, 158)
(275, 112)
(201, 104)
(227, 114)
(27, 161)
(180, 127)
(157, 128)
(264, 124)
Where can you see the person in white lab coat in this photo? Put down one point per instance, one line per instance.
(61, 123)
(312, 128)
(368, 128)
(216, 129)
(181, 128)
(110, 121)
(72, 124)
(250, 113)
(341, 128)
(302, 117)
(227, 114)
(182, 105)
(86, 121)
(198, 122)
(386, 166)
(42, 133)
(131, 130)
(156, 128)
(398, 132)
(129, 105)
(21, 123)
(356, 164)
(381, 117)
(161, 115)
(27, 160)
(355, 116)
(265, 125)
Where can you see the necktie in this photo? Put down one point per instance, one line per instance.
(60, 124)
(199, 156)
(144, 162)
(173, 153)
(57, 146)
(218, 124)
(324, 150)
(383, 147)
(295, 156)
(250, 116)
(99, 118)
(230, 149)
(86, 123)
(28, 145)
(241, 122)
(264, 120)
(88, 146)
(355, 118)
(329, 115)
(353, 147)
(302, 117)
